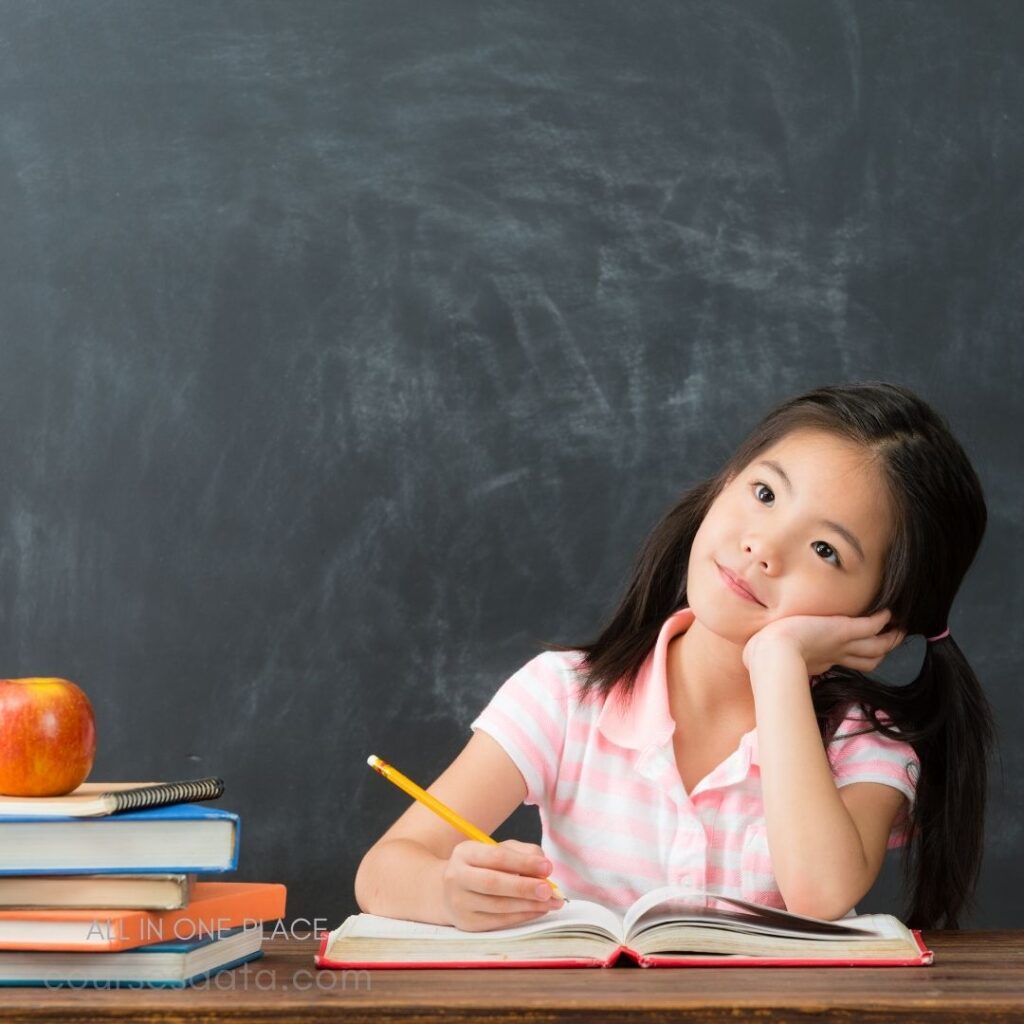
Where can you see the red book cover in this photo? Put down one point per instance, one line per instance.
(925, 956)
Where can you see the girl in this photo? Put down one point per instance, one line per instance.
(721, 733)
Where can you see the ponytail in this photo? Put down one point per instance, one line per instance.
(956, 733)
(944, 715)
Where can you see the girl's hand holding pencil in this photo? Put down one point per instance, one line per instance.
(499, 886)
(487, 884)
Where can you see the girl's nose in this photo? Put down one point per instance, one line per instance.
(759, 551)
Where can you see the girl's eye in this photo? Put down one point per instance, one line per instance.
(760, 487)
(829, 549)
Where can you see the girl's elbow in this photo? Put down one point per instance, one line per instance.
(827, 896)
(818, 901)
(820, 907)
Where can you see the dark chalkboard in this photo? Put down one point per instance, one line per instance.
(348, 350)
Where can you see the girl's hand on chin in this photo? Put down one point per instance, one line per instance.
(822, 641)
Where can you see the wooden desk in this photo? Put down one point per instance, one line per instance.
(976, 976)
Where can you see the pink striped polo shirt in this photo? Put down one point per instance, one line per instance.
(616, 818)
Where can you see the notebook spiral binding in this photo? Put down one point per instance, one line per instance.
(169, 793)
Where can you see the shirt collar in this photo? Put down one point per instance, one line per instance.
(645, 721)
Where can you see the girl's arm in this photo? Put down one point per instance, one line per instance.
(827, 845)
(403, 874)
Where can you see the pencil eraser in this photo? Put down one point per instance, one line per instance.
(372, 760)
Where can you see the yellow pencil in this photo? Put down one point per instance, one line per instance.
(392, 774)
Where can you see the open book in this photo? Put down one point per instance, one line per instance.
(667, 927)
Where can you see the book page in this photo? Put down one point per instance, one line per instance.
(573, 918)
(676, 904)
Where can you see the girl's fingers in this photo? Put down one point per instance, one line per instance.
(486, 901)
(862, 664)
(879, 619)
(874, 648)
(868, 627)
(509, 858)
(518, 891)
(868, 653)
(500, 905)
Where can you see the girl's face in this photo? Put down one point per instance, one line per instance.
(787, 541)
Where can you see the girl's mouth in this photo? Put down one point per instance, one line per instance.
(736, 585)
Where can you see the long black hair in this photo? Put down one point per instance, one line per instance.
(940, 517)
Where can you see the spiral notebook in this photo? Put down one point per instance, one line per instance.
(95, 799)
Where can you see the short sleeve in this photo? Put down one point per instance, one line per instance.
(859, 756)
(528, 717)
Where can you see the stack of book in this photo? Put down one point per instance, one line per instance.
(99, 888)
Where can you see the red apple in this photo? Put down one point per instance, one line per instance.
(47, 737)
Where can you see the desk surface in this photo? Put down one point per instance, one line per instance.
(976, 976)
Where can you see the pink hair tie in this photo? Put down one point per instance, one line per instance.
(932, 639)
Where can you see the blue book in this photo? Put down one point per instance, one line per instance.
(158, 965)
(176, 839)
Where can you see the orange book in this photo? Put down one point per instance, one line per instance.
(214, 907)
